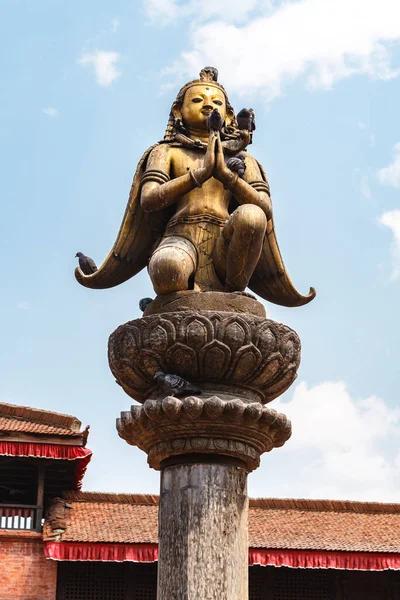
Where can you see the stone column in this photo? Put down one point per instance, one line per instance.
(203, 532)
(204, 445)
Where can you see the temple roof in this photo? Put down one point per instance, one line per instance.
(23, 422)
(273, 523)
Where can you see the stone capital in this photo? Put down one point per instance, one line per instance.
(174, 427)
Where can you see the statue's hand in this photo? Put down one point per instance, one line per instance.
(206, 171)
(221, 171)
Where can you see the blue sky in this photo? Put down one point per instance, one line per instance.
(86, 88)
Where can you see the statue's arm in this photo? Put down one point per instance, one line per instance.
(252, 189)
(159, 190)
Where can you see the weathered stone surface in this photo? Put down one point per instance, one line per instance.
(203, 542)
(177, 427)
(222, 352)
(189, 300)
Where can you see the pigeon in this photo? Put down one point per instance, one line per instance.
(144, 302)
(174, 385)
(87, 264)
(246, 119)
(237, 164)
(212, 73)
(215, 121)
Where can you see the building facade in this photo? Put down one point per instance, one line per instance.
(59, 543)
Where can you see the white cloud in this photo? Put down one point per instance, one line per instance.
(390, 175)
(337, 448)
(104, 64)
(163, 12)
(391, 219)
(114, 25)
(322, 40)
(50, 111)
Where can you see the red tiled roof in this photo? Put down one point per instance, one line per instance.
(117, 518)
(273, 523)
(23, 419)
(324, 525)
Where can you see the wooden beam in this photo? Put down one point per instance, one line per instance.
(40, 496)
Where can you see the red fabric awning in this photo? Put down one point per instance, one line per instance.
(298, 559)
(315, 559)
(51, 451)
(81, 551)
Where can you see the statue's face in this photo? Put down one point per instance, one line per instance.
(199, 101)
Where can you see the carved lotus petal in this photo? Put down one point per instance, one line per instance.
(268, 371)
(135, 413)
(234, 409)
(172, 406)
(214, 407)
(246, 363)
(236, 330)
(158, 339)
(252, 413)
(154, 410)
(269, 416)
(150, 362)
(193, 407)
(267, 340)
(185, 357)
(214, 359)
(126, 418)
(197, 332)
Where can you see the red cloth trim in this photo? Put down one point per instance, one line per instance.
(310, 559)
(299, 559)
(82, 551)
(51, 451)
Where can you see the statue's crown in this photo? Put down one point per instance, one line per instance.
(207, 75)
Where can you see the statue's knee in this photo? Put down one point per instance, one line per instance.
(169, 270)
(251, 218)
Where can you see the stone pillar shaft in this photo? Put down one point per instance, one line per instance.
(204, 445)
(203, 543)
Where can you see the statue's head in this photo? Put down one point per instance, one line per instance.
(195, 101)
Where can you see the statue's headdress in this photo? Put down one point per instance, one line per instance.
(175, 126)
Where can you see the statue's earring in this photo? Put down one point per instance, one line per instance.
(178, 124)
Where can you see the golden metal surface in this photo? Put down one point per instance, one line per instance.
(191, 220)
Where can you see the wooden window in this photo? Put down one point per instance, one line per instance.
(258, 583)
(90, 581)
(301, 584)
(142, 581)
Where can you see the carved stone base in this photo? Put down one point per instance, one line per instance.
(210, 426)
(190, 300)
(221, 352)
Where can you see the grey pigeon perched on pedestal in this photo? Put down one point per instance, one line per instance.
(237, 164)
(173, 385)
(144, 302)
(246, 119)
(86, 264)
(215, 121)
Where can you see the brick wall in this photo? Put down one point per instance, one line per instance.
(25, 574)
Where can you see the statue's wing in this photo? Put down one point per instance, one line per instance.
(270, 279)
(137, 236)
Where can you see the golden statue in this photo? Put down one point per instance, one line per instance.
(195, 223)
